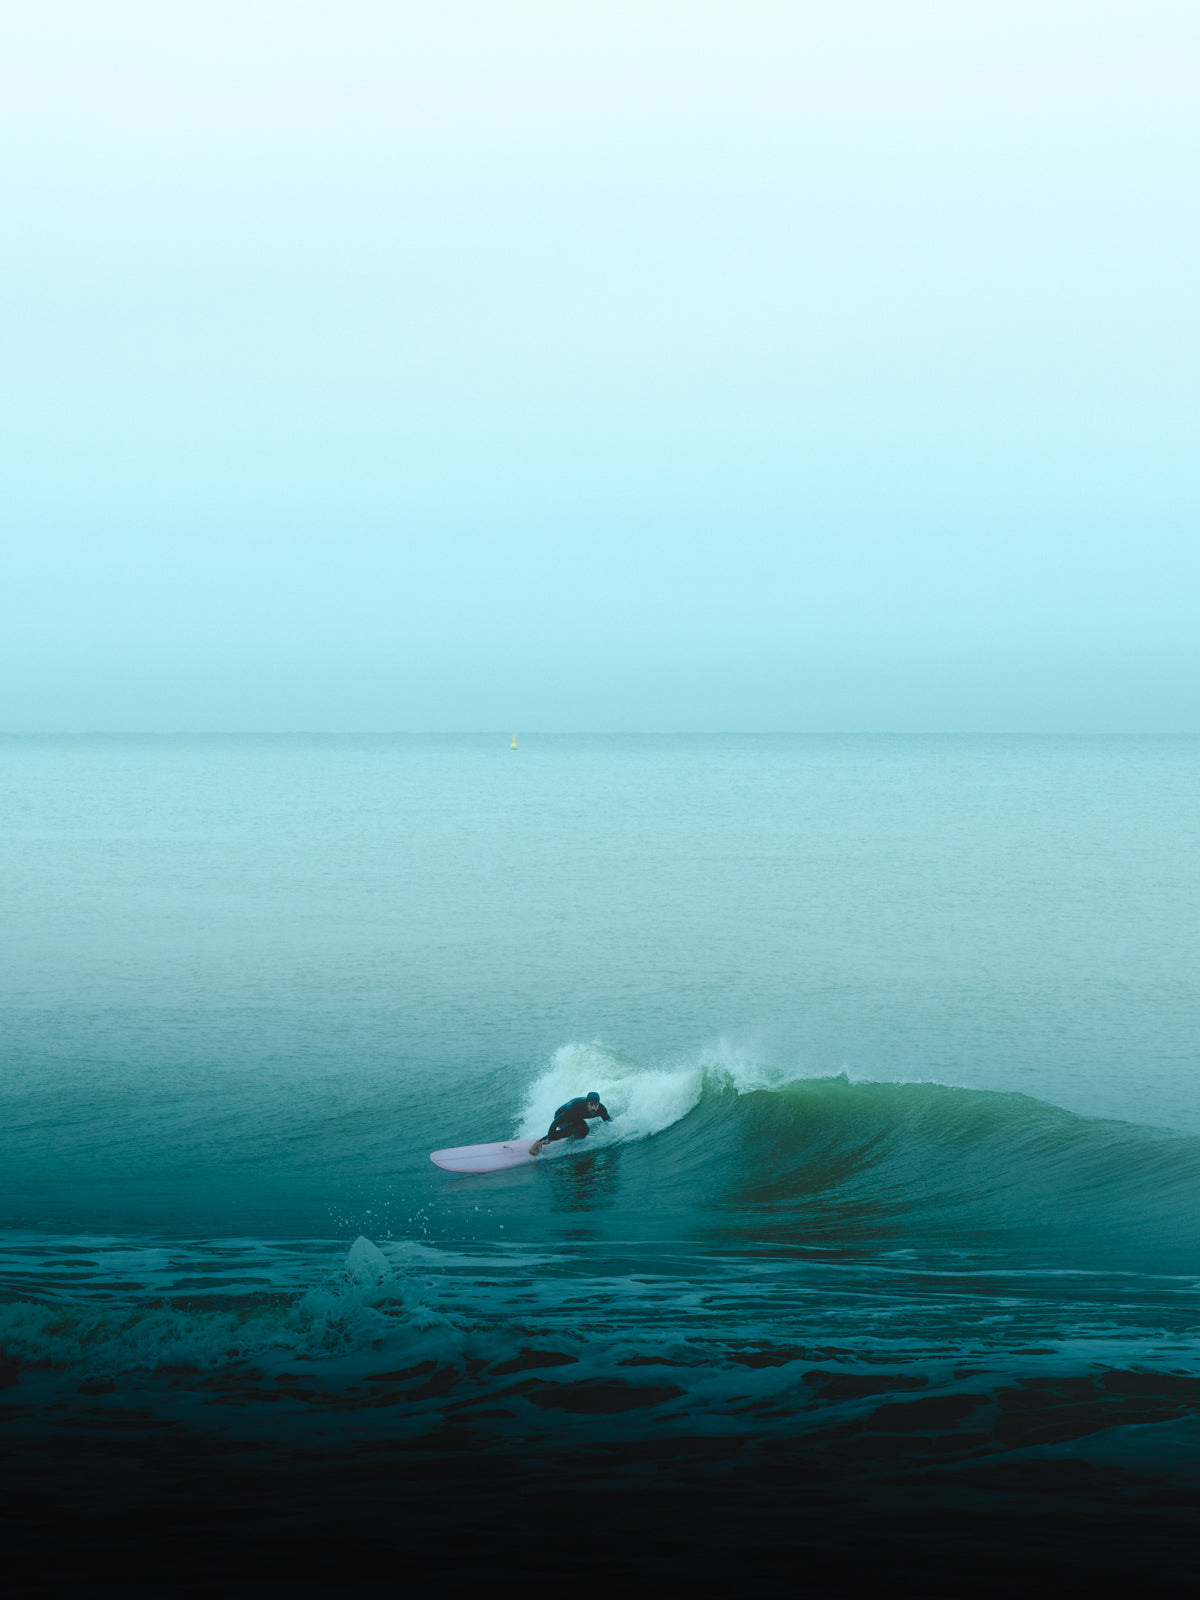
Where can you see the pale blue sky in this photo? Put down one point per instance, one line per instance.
(600, 366)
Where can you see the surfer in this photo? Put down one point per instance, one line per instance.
(571, 1120)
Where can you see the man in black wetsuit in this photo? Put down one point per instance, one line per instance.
(571, 1120)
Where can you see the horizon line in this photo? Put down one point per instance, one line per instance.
(597, 733)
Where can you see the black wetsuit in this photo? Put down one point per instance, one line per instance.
(570, 1120)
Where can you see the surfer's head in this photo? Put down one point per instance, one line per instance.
(593, 1099)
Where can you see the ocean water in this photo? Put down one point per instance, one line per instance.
(893, 1235)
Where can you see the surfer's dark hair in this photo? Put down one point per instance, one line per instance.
(591, 1095)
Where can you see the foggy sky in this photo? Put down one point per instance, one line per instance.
(599, 366)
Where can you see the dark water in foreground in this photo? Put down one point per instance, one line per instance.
(886, 1269)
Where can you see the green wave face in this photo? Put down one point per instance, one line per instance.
(873, 1165)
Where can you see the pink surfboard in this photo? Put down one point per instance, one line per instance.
(484, 1157)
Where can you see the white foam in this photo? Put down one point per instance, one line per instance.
(354, 1306)
(727, 1065)
(641, 1100)
(366, 1264)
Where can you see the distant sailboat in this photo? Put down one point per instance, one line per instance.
(513, 745)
